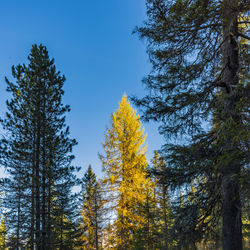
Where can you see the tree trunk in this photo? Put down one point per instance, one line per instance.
(96, 223)
(49, 202)
(44, 199)
(148, 224)
(165, 219)
(33, 196)
(44, 175)
(49, 216)
(18, 213)
(231, 205)
(37, 177)
(232, 235)
(61, 233)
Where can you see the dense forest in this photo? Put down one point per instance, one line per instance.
(192, 194)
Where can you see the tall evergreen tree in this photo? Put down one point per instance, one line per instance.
(92, 211)
(125, 164)
(163, 209)
(38, 155)
(200, 55)
(148, 236)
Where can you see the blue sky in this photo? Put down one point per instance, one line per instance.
(92, 44)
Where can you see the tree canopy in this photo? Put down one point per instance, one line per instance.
(199, 91)
(125, 164)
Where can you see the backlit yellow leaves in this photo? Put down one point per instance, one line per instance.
(3, 234)
(125, 165)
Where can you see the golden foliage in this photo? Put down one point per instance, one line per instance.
(125, 166)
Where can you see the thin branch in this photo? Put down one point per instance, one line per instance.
(244, 36)
(242, 22)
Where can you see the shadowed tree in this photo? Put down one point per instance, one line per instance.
(92, 211)
(199, 91)
(38, 151)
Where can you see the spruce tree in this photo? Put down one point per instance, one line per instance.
(125, 167)
(198, 90)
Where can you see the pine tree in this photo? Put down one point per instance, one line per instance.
(17, 159)
(92, 211)
(200, 56)
(125, 166)
(38, 151)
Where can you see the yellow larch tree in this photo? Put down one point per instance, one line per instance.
(3, 233)
(124, 163)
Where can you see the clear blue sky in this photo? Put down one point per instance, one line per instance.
(92, 44)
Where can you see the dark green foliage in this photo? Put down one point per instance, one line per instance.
(199, 91)
(38, 153)
(157, 211)
(92, 211)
